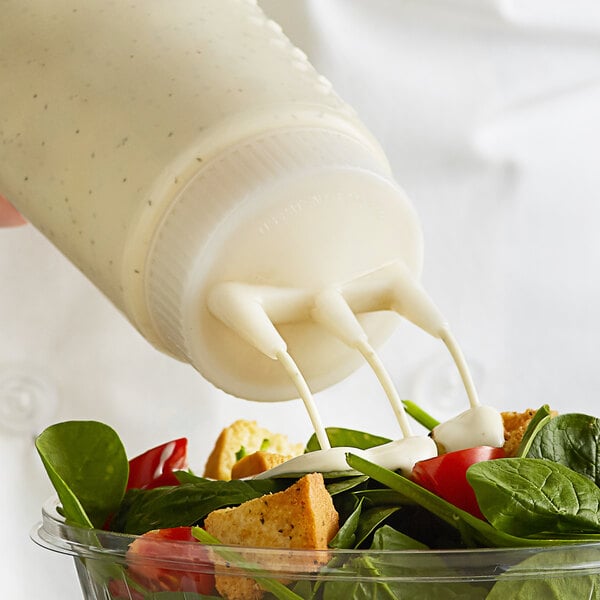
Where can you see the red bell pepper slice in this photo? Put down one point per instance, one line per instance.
(154, 468)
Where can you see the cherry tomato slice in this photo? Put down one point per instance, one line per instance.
(154, 468)
(146, 558)
(446, 475)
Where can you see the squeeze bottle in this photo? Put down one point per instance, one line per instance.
(168, 147)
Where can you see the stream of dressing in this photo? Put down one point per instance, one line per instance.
(254, 311)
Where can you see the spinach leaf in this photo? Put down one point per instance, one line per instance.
(361, 582)
(340, 486)
(382, 576)
(346, 535)
(304, 589)
(479, 532)
(383, 496)
(88, 467)
(528, 496)
(572, 440)
(189, 477)
(373, 577)
(539, 420)
(551, 588)
(186, 504)
(338, 436)
(395, 576)
(370, 520)
(387, 538)
(518, 584)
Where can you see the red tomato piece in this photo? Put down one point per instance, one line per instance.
(119, 590)
(446, 475)
(147, 557)
(154, 468)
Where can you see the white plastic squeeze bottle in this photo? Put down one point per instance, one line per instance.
(169, 149)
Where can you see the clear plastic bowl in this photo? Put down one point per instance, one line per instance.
(561, 572)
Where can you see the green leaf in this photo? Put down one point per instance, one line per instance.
(189, 477)
(387, 538)
(338, 437)
(551, 588)
(377, 577)
(346, 535)
(518, 584)
(361, 582)
(340, 486)
(88, 467)
(304, 589)
(529, 496)
(573, 440)
(480, 531)
(370, 520)
(383, 496)
(539, 420)
(186, 504)
(386, 567)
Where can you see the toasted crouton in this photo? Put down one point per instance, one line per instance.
(515, 425)
(302, 516)
(249, 436)
(255, 463)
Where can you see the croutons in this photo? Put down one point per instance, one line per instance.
(250, 437)
(302, 516)
(256, 463)
(515, 425)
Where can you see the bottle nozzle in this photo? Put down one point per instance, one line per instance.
(239, 307)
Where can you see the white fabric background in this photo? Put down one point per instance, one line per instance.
(490, 114)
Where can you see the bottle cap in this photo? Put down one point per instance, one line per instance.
(296, 208)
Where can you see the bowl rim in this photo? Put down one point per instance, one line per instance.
(463, 565)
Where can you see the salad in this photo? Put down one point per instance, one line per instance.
(544, 496)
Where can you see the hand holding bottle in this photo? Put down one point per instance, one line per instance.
(9, 216)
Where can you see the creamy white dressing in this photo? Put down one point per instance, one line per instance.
(332, 460)
(307, 398)
(461, 364)
(333, 312)
(255, 311)
(477, 426)
(398, 454)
